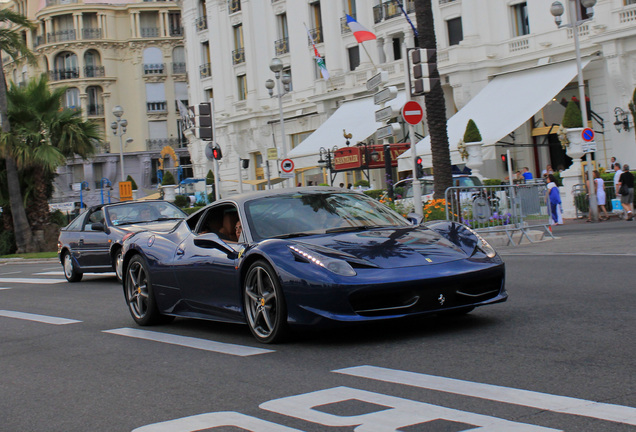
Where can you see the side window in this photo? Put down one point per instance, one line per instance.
(222, 221)
(94, 217)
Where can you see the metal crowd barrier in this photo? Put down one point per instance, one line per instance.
(582, 204)
(502, 208)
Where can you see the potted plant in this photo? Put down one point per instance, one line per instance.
(471, 147)
(133, 185)
(168, 185)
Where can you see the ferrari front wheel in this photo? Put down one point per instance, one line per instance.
(139, 293)
(265, 308)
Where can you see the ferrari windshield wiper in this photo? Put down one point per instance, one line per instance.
(163, 218)
(291, 235)
(350, 228)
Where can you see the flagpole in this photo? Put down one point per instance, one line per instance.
(375, 68)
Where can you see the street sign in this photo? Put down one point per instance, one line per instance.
(125, 191)
(387, 131)
(375, 81)
(385, 95)
(412, 112)
(385, 114)
(272, 153)
(587, 134)
(287, 168)
(589, 147)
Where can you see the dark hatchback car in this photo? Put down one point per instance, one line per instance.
(92, 242)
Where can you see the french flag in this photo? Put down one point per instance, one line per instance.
(359, 32)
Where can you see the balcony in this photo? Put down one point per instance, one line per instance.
(178, 67)
(94, 71)
(201, 23)
(63, 74)
(205, 70)
(154, 69)
(91, 33)
(157, 107)
(149, 32)
(59, 2)
(61, 36)
(157, 144)
(391, 9)
(316, 35)
(281, 46)
(238, 56)
(37, 41)
(234, 6)
(95, 110)
(344, 27)
(176, 31)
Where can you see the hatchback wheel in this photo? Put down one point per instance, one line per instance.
(70, 270)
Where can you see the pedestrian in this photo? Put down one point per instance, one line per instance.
(599, 186)
(626, 181)
(548, 170)
(613, 163)
(553, 197)
(527, 175)
(341, 185)
(617, 173)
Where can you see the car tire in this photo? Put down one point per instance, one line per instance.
(265, 308)
(118, 264)
(70, 269)
(140, 296)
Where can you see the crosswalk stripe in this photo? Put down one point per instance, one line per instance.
(4, 288)
(190, 342)
(545, 401)
(32, 281)
(52, 273)
(38, 318)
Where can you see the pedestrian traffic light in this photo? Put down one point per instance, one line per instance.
(216, 152)
(205, 121)
(504, 160)
(418, 168)
(423, 72)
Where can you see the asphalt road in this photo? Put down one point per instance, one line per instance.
(559, 355)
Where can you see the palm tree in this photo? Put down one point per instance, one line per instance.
(45, 134)
(435, 104)
(12, 43)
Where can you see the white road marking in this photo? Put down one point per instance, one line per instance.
(545, 401)
(5, 288)
(32, 281)
(190, 342)
(56, 273)
(38, 318)
(8, 273)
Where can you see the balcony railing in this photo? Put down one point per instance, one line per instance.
(391, 9)
(157, 107)
(63, 74)
(59, 2)
(154, 68)
(238, 56)
(94, 110)
(205, 70)
(234, 6)
(201, 23)
(281, 46)
(176, 31)
(344, 27)
(61, 36)
(91, 33)
(149, 32)
(157, 144)
(39, 40)
(316, 34)
(94, 71)
(445, 1)
(178, 67)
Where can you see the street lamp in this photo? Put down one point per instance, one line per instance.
(557, 10)
(119, 129)
(622, 120)
(105, 182)
(276, 66)
(82, 184)
(326, 161)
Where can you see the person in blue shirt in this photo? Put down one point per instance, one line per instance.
(527, 175)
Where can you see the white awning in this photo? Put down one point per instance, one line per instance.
(507, 102)
(357, 117)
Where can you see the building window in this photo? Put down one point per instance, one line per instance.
(241, 81)
(455, 32)
(354, 57)
(520, 24)
(397, 48)
(234, 6)
(71, 98)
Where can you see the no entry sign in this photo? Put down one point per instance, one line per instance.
(412, 112)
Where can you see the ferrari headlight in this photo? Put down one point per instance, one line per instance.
(483, 244)
(334, 265)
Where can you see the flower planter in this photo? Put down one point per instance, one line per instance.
(572, 176)
(475, 157)
(169, 193)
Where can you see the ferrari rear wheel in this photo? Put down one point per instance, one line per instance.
(139, 294)
(265, 308)
(70, 271)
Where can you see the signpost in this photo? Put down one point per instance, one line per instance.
(385, 95)
(387, 131)
(412, 113)
(272, 153)
(287, 168)
(375, 81)
(589, 145)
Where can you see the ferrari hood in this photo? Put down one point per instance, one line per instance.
(388, 247)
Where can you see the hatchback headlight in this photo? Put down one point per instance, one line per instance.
(334, 265)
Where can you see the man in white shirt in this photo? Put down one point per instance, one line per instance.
(618, 172)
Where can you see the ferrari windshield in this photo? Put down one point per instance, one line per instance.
(317, 213)
(139, 212)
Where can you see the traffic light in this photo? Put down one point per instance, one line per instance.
(504, 160)
(216, 152)
(418, 168)
(245, 163)
(423, 73)
(205, 122)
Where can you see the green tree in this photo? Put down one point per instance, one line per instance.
(572, 117)
(435, 104)
(44, 134)
(12, 43)
(472, 132)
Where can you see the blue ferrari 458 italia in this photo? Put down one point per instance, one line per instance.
(306, 257)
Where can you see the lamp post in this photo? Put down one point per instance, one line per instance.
(276, 66)
(119, 129)
(82, 184)
(326, 160)
(105, 182)
(557, 10)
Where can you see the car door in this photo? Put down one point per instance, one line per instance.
(207, 276)
(94, 245)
